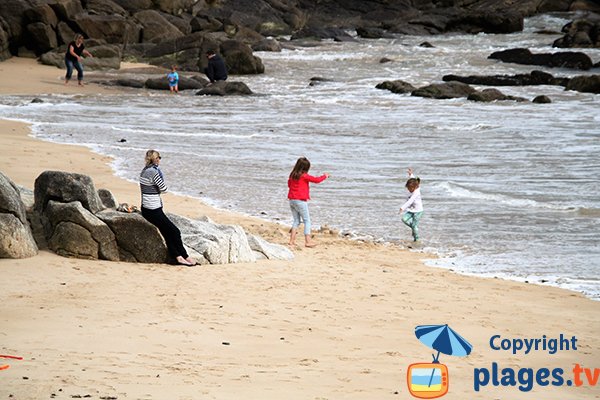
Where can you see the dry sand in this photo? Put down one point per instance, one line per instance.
(337, 322)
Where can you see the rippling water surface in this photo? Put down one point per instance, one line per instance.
(510, 189)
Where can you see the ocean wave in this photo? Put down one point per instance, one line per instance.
(456, 190)
(189, 134)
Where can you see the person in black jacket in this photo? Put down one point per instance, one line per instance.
(216, 70)
(75, 51)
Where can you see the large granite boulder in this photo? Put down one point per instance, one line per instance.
(16, 239)
(239, 58)
(43, 37)
(137, 239)
(569, 59)
(114, 29)
(270, 251)
(218, 244)
(155, 27)
(73, 231)
(449, 90)
(66, 187)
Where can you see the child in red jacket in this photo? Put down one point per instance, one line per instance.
(298, 195)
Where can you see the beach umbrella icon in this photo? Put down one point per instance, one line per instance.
(443, 339)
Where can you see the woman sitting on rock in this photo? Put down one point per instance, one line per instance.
(152, 185)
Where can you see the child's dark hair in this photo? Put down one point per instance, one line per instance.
(302, 166)
(413, 182)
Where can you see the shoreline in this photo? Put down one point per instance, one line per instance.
(429, 258)
(336, 322)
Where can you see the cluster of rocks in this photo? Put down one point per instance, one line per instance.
(163, 32)
(452, 90)
(564, 59)
(66, 214)
(193, 82)
(582, 32)
(583, 83)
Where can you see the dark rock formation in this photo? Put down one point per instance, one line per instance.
(184, 83)
(16, 238)
(533, 78)
(225, 88)
(449, 90)
(541, 100)
(107, 198)
(137, 239)
(73, 231)
(239, 58)
(267, 45)
(569, 59)
(489, 95)
(584, 32)
(586, 83)
(66, 187)
(397, 86)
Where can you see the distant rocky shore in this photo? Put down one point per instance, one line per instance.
(164, 32)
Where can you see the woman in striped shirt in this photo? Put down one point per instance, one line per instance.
(152, 185)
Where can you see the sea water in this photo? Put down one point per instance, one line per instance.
(509, 189)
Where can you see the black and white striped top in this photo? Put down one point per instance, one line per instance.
(152, 185)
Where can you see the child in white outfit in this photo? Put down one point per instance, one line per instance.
(413, 208)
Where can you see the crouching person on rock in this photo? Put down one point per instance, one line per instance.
(152, 184)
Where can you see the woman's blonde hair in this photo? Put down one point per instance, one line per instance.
(151, 157)
(77, 36)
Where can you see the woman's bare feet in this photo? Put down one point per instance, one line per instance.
(311, 244)
(191, 260)
(184, 261)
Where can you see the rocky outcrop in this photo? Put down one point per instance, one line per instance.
(73, 231)
(41, 24)
(584, 32)
(70, 219)
(586, 83)
(16, 238)
(449, 90)
(396, 86)
(264, 249)
(533, 78)
(66, 187)
(489, 95)
(137, 239)
(225, 88)
(570, 59)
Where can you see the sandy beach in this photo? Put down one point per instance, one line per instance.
(337, 322)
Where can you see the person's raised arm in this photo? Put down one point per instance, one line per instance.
(87, 53)
(316, 179)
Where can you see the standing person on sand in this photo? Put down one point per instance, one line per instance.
(152, 185)
(412, 209)
(216, 69)
(173, 78)
(298, 195)
(75, 50)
